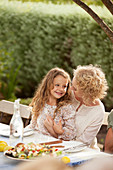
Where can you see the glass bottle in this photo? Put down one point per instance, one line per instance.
(16, 125)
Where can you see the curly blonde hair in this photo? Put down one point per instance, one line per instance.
(43, 91)
(91, 81)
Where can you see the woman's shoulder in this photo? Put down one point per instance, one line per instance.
(101, 107)
(98, 110)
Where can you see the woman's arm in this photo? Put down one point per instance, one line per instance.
(68, 123)
(109, 141)
(109, 136)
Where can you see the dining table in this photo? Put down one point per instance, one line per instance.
(71, 149)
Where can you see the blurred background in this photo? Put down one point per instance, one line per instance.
(37, 35)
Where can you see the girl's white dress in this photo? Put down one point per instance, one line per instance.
(66, 113)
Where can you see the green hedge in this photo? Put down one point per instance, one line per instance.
(41, 36)
(88, 2)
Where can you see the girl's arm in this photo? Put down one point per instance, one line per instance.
(48, 123)
(68, 123)
(33, 123)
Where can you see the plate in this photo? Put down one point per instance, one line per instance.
(28, 133)
(17, 159)
(6, 133)
(37, 149)
(76, 150)
(79, 146)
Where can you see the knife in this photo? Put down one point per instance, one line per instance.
(51, 142)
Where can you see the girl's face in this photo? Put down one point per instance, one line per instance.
(59, 87)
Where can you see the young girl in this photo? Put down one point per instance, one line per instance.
(53, 112)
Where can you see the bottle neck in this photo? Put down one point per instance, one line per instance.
(16, 111)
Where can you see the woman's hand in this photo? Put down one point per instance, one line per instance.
(58, 127)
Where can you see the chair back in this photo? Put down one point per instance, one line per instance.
(105, 120)
(7, 107)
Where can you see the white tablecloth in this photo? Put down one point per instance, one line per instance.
(76, 158)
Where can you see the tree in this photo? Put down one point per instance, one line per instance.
(103, 25)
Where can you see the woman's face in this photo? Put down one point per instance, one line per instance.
(77, 92)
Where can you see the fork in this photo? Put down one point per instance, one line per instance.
(74, 147)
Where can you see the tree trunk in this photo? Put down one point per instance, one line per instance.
(109, 5)
(102, 24)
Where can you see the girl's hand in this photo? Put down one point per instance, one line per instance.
(58, 127)
(48, 123)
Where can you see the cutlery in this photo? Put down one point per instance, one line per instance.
(75, 147)
(58, 146)
(51, 142)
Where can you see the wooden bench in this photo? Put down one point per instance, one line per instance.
(105, 122)
(8, 108)
(25, 111)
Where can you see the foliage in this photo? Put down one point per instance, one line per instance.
(8, 73)
(48, 1)
(9, 82)
(88, 2)
(25, 101)
(43, 36)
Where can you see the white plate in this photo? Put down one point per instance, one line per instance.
(17, 159)
(28, 133)
(76, 150)
(6, 133)
(69, 144)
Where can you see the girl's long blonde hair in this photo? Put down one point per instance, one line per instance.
(43, 91)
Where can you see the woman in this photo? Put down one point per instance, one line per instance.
(89, 86)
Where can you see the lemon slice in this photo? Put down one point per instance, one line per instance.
(65, 159)
(3, 144)
(7, 148)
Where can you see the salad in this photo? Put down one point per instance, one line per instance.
(32, 151)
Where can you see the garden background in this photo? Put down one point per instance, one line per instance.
(37, 36)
